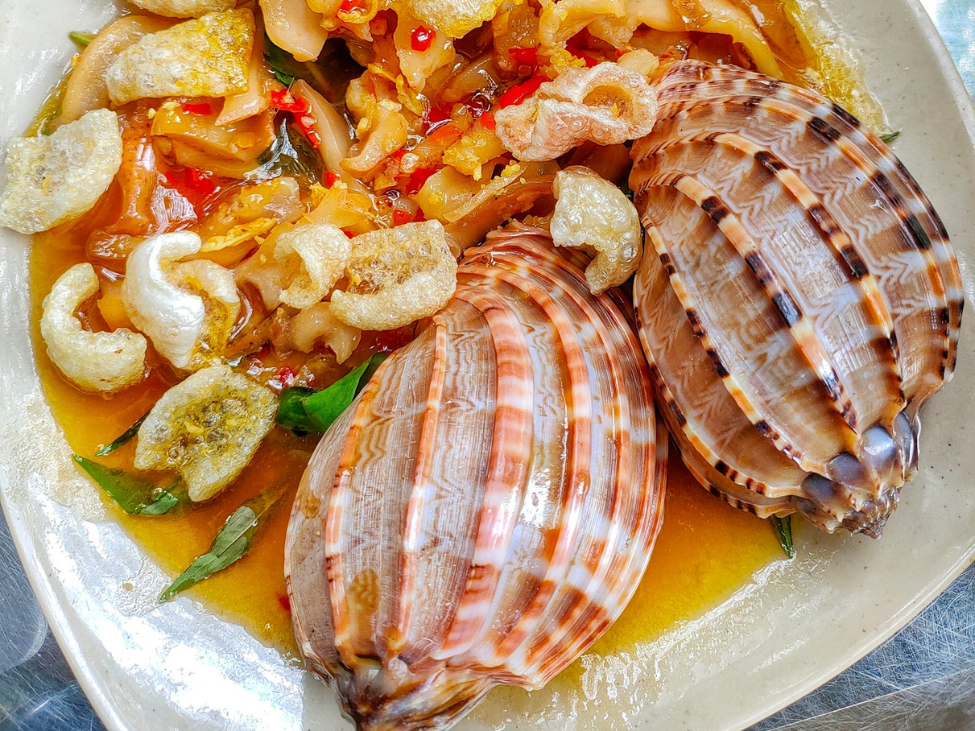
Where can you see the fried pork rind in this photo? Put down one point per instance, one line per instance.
(397, 276)
(206, 428)
(456, 18)
(55, 179)
(605, 104)
(95, 361)
(204, 57)
(184, 8)
(187, 309)
(317, 253)
(594, 213)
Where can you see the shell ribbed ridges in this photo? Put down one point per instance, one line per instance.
(770, 201)
(485, 509)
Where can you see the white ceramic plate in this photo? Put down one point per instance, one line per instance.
(793, 627)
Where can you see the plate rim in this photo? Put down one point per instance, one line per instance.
(95, 691)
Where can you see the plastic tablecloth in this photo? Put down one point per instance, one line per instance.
(923, 679)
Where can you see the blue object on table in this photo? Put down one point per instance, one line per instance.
(921, 680)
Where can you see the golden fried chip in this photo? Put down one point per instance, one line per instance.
(593, 213)
(55, 179)
(96, 361)
(321, 251)
(204, 57)
(184, 8)
(206, 428)
(397, 276)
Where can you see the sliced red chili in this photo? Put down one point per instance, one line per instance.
(197, 108)
(400, 217)
(422, 38)
(194, 185)
(519, 92)
(285, 101)
(286, 376)
(488, 121)
(417, 179)
(527, 55)
(352, 6)
(330, 178)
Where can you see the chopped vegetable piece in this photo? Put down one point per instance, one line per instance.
(422, 38)
(82, 39)
(783, 531)
(135, 495)
(124, 438)
(525, 55)
(890, 137)
(306, 410)
(200, 108)
(519, 92)
(232, 543)
(283, 65)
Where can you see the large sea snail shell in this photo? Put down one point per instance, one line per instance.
(485, 509)
(803, 302)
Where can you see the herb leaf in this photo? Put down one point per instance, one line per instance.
(283, 65)
(232, 543)
(135, 495)
(289, 154)
(127, 436)
(890, 137)
(783, 531)
(308, 410)
(82, 39)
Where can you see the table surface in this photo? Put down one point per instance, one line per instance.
(923, 679)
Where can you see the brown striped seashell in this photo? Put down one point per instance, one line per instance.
(485, 509)
(804, 300)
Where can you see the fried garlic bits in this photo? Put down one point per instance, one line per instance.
(206, 428)
(315, 255)
(604, 104)
(54, 179)
(204, 57)
(187, 309)
(397, 276)
(95, 361)
(592, 212)
(184, 8)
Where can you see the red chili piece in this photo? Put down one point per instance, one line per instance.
(200, 108)
(353, 6)
(194, 185)
(422, 38)
(519, 92)
(527, 55)
(299, 107)
(400, 217)
(488, 121)
(330, 178)
(417, 179)
(286, 376)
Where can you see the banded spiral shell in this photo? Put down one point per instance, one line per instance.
(804, 301)
(485, 509)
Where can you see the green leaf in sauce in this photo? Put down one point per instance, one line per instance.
(306, 410)
(232, 543)
(127, 436)
(289, 154)
(82, 39)
(283, 65)
(135, 495)
(890, 137)
(783, 531)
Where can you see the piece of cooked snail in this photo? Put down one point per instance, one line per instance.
(485, 509)
(804, 301)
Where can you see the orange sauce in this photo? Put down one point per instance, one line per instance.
(705, 550)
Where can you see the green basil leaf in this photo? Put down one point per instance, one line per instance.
(127, 436)
(289, 154)
(82, 39)
(308, 410)
(890, 137)
(283, 65)
(232, 543)
(135, 495)
(783, 531)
